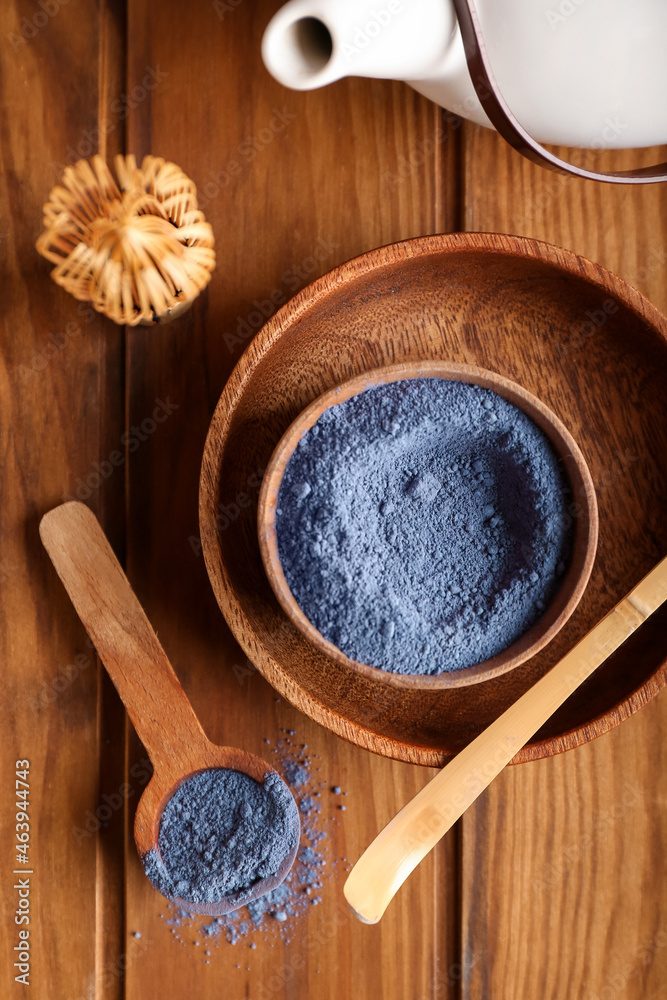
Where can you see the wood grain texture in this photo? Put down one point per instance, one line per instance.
(563, 875)
(57, 362)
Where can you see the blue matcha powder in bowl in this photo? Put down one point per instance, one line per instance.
(219, 833)
(422, 525)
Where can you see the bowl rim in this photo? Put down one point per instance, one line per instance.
(573, 266)
(571, 587)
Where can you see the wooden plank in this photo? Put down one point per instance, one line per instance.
(59, 408)
(563, 881)
(113, 724)
(293, 184)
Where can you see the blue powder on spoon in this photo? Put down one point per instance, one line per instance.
(422, 525)
(274, 917)
(220, 833)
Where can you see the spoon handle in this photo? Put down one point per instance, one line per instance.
(123, 636)
(417, 828)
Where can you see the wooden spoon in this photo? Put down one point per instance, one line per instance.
(146, 682)
(416, 829)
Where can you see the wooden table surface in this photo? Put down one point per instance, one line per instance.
(553, 886)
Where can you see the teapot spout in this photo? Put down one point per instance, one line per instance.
(310, 43)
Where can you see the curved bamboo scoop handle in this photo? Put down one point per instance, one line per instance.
(416, 829)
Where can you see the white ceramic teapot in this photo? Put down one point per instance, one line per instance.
(585, 73)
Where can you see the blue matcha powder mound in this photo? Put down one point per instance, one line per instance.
(422, 525)
(220, 833)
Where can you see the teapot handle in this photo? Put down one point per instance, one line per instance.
(509, 127)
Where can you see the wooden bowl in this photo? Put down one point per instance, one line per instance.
(585, 524)
(577, 337)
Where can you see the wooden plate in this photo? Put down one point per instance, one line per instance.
(577, 337)
(582, 499)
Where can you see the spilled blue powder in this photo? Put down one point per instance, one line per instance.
(275, 916)
(296, 774)
(221, 832)
(422, 525)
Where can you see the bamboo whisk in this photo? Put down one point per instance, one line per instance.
(138, 249)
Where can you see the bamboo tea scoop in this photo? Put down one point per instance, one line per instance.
(416, 829)
(146, 682)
